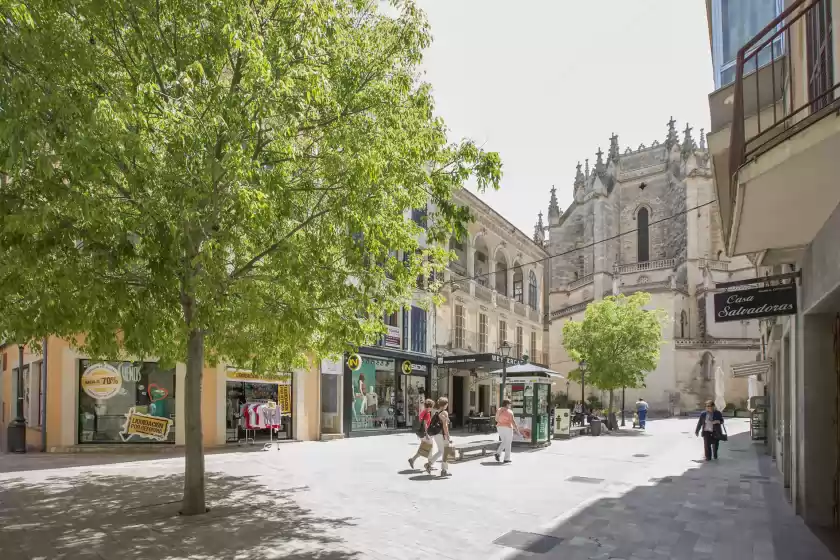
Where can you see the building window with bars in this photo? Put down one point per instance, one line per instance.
(460, 323)
(502, 333)
(534, 348)
(482, 332)
(519, 342)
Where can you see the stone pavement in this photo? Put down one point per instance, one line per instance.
(631, 495)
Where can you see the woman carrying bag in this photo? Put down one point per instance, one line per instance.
(425, 418)
(711, 424)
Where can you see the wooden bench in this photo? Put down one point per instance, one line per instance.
(462, 448)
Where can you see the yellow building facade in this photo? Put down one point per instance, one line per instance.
(72, 403)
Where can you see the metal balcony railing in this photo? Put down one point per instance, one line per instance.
(808, 25)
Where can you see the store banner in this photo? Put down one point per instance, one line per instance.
(392, 338)
(755, 303)
(145, 426)
(252, 377)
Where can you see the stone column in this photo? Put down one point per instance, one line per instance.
(470, 259)
(510, 281)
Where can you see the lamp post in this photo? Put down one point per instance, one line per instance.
(582, 368)
(504, 350)
(17, 428)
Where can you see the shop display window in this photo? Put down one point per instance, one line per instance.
(110, 391)
(374, 405)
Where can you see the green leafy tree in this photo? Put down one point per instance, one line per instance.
(219, 180)
(619, 340)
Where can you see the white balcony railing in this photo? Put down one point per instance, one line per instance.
(520, 309)
(645, 266)
(502, 301)
(483, 293)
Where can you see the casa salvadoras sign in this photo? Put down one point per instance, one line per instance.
(755, 303)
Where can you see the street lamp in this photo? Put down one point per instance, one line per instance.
(622, 406)
(504, 350)
(582, 368)
(17, 427)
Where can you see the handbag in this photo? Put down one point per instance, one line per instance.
(722, 436)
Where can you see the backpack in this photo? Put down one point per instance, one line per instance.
(435, 427)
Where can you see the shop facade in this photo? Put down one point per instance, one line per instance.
(383, 390)
(74, 403)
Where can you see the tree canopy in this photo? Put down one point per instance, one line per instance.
(219, 176)
(618, 339)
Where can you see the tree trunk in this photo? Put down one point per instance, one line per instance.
(610, 414)
(194, 500)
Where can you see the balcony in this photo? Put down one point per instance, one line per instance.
(661, 264)
(483, 293)
(712, 264)
(520, 309)
(503, 301)
(580, 282)
(784, 166)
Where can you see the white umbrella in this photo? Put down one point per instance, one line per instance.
(526, 369)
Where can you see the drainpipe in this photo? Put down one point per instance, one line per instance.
(44, 399)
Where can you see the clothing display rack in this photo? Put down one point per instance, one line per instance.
(252, 438)
(272, 406)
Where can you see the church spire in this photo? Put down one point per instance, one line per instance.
(702, 138)
(688, 141)
(553, 207)
(671, 140)
(539, 230)
(613, 153)
(586, 170)
(579, 178)
(599, 162)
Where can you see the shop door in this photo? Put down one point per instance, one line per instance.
(484, 400)
(457, 402)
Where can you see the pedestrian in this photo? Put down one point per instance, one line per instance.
(711, 424)
(425, 418)
(641, 410)
(505, 425)
(577, 418)
(439, 431)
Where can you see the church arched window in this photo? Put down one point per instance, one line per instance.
(642, 235)
(532, 290)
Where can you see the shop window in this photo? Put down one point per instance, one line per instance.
(374, 394)
(245, 419)
(109, 392)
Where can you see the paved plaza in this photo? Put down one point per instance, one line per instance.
(631, 495)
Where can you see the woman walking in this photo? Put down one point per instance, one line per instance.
(425, 418)
(439, 430)
(711, 424)
(505, 425)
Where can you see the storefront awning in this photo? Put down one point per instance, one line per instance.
(476, 361)
(752, 368)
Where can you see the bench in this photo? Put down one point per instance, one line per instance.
(580, 430)
(462, 448)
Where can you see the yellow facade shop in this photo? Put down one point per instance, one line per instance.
(74, 403)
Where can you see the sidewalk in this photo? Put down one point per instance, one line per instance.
(632, 495)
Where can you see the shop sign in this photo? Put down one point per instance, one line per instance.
(331, 367)
(406, 367)
(354, 362)
(755, 303)
(422, 368)
(145, 426)
(101, 381)
(392, 337)
(253, 377)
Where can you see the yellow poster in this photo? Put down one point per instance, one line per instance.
(284, 398)
(101, 381)
(145, 426)
(250, 376)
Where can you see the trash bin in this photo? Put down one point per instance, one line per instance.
(595, 426)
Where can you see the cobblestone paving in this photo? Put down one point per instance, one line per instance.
(628, 496)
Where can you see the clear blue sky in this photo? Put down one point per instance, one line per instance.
(546, 82)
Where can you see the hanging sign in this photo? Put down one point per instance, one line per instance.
(354, 362)
(284, 399)
(145, 426)
(755, 303)
(392, 338)
(406, 367)
(253, 377)
(101, 381)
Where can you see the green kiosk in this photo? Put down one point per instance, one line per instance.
(530, 397)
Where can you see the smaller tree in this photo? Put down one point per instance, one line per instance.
(619, 340)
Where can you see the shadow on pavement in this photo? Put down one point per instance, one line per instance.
(726, 509)
(127, 517)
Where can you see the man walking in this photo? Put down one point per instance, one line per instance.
(641, 410)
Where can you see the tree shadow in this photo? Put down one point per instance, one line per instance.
(727, 509)
(130, 517)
